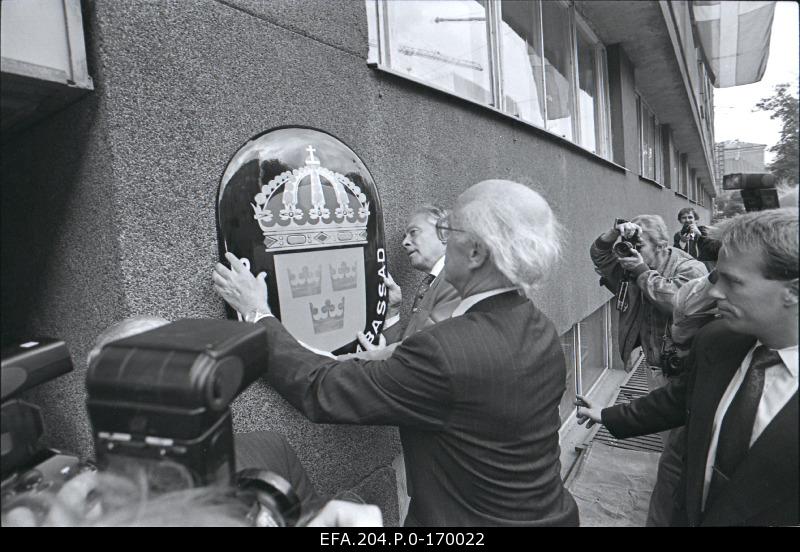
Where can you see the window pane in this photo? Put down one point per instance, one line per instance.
(442, 43)
(522, 60)
(567, 401)
(558, 69)
(588, 97)
(593, 348)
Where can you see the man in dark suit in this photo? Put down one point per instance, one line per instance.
(434, 299)
(475, 396)
(738, 396)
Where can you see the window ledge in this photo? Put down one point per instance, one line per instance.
(681, 195)
(651, 182)
(539, 130)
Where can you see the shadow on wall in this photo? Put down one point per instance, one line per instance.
(59, 253)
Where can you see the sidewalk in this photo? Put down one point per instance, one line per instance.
(613, 479)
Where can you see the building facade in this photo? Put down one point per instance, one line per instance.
(108, 205)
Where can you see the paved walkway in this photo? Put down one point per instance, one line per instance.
(612, 486)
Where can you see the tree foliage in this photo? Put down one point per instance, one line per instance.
(783, 106)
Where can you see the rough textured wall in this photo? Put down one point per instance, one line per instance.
(181, 86)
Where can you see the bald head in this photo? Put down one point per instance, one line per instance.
(125, 328)
(516, 225)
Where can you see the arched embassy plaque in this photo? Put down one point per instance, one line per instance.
(299, 204)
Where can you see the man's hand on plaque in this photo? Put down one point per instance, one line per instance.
(240, 289)
(394, 296)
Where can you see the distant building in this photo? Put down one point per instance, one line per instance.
(733, 156)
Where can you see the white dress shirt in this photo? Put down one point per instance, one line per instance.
(468, 302)
(780, 384)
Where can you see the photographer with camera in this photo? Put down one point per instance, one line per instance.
(692, 238)
(645, 273)
(738, 394)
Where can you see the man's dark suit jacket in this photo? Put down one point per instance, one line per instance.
(476, 399)
(764, 488)
(436, 305)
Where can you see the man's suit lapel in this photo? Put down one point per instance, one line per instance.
(711, 380)
(749, 491)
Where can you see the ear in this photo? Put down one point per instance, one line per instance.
(790, 293)
(478, 254)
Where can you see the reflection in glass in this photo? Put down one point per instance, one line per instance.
(593, 347)
(588, 97)
(442, 43)
(567, 404)
(522, 48)
(558, 69)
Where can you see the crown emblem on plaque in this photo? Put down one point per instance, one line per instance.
(341, 218)
(328, 317)
(305, 282)
(344, 277)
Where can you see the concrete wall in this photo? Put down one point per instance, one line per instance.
(108, 206)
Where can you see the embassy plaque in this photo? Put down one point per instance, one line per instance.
(300, 205)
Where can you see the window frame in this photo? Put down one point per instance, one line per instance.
(381, 59)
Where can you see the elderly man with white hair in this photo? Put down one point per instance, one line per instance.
(475, 396)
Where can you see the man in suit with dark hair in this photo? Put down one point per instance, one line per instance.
(478, 421)
(738, 396)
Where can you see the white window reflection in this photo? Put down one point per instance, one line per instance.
(522, 48)
(588, 92)
(442, 43)
(560, 105)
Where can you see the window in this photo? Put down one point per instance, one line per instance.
(683, 176)
(592, 336)
(521, 40)
(538, 61)
(650, 152)
(591, 88)
(443, 44)
(559, 90)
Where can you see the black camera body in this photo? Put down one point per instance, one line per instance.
(626, 246)
(672, 363)
(24, 366)
(161, 397)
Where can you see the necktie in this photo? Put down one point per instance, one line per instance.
(737, 424)
(423, 288)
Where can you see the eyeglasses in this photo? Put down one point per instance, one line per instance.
(443, 229)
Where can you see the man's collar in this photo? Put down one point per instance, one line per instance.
(469, 302)
(788, 356)
(437, 266)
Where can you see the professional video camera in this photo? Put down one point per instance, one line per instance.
(158, 401)
(27, 466)
(627, 245)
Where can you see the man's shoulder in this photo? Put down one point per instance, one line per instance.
(685, 262)
(715, 339)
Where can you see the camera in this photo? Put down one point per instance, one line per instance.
(626, 246)
(687, 228)
(29, 468)
(159, 401)
(672, 364)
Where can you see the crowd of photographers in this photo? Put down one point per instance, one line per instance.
(479, 420)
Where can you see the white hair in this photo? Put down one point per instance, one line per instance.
(517, 226)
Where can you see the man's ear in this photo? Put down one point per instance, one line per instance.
(478, 254)
(791, 292)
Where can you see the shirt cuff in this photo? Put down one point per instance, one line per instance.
(391, 321)
(261, 315)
